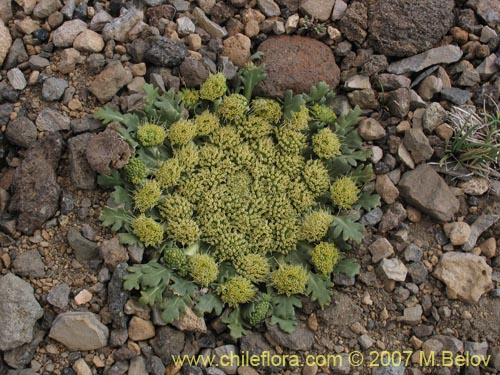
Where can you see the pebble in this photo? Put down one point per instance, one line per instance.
(83, 297)
(50, 120)
(53, 89)
(370, 129)
(457, 232)
(89, 41)
(16, 79)
(475, 186)
(58, 296)
(67, 32)
(140, 329)
(79, 331)
(392, 269)
(441, 55)
(215, 31)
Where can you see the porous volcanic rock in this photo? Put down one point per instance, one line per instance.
(408, 27)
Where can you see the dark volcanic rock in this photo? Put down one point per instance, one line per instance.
(21, 132)
(165, 52)
(408, 27)
(168, 342)
(354, 23)
(117, 297)
(288, 65)
(107, 150)
(80, 171)
(36, 191)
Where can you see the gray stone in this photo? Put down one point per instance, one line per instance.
(167, 342)
(68, 9)
(79, 331)
(16, 79)
(489, 10)
(398, 102)
(84, 249)
(36, 191)
(119, 28)
(487, 34)
(185, 26)
(467, 276)
(392, 269)
(53, 89)
(21, 356)
(391, 82)
(118, 297)
(254, 343)
(193, 72)
(413, 253)
(318, 9)
(476, 348)
(418, 272)
(38, 62)
(366, 341)
(226, 351)
(5, 42)
(110, 81)
(269, 8)
(488, 67)
(381, 249)
(163, 51)
(427, 191)
(338, 10)
(208, 25)
(155, 366)
(67, 32)
(418, 145)
(100, 19)
(412, 315)
(455, 95)
(354, 22)
(434, 116)
(58, 296)
(370, 129)
(405, 28)
(373, 217)
(21, 132)
(393, 217)
(137, 366)
(86, 124)
(5, 11)
(300, 339)
(341, 314)
(82, 175)
(19, 311)
(440, 55)
(29, 264)
(45, 8)
(50, 120)
(481, 224)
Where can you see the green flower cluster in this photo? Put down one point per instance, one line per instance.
(150, 134)
(149, 232)
(289, 279)
(344, 193)
(136, 170)
(237, 291)
(324, 256)
(203, 269)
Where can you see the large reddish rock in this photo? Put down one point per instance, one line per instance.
(296, 63)
(408, 27)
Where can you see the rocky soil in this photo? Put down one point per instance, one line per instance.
(430, 275)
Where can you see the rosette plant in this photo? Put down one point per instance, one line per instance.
(242, 203)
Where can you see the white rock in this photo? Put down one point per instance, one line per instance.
(89, 41)
(467, 276)
(67, 32)
(392, 269)
(5, 42)
(185, 26)
(16, 79)
(457, 232)
(475, 186)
